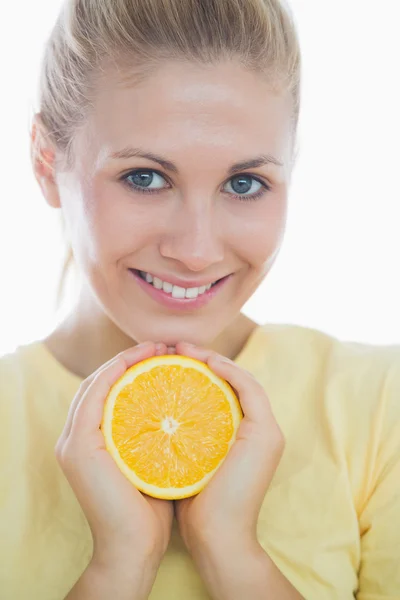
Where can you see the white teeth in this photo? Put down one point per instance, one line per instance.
(192, 292)
(157, 283)
(175, 290)
(178, 292)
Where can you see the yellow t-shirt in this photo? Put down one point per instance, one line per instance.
(330, 520)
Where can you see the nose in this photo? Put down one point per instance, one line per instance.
(193, 237)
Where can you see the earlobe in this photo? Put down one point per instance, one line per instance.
(43, 162)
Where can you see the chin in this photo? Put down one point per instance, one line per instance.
(173, 331)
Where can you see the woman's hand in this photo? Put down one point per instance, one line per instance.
(219, 525)
(224, 515)
(128, 527)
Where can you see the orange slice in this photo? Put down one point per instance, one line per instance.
(169, 423)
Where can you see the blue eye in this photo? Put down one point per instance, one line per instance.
(145, 180)
(245, 187)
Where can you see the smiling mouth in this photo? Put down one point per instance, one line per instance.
(175, 291)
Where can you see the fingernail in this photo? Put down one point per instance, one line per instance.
(159, 347)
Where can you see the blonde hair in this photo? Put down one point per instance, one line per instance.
(134, 36)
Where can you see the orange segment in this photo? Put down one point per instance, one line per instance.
(169, 422)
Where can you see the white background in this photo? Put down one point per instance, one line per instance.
(338, 270)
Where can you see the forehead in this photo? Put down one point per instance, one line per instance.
(183, 107)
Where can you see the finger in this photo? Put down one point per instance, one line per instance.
(253, 399)
(254, 402)
(198, 352)
(161, 349)
(77, 398)
(82, 390)
(88, 413)
(72, 408)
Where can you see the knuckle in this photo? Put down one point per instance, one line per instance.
(67, 455)
(58, 449)
(134, 349)
(259, 388)
(256, 386)
(121, 355)
(119, 363)
(83, 387)
(278, 439)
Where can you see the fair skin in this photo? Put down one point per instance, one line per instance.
(199, 225)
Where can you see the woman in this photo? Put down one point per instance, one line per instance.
(166, 136)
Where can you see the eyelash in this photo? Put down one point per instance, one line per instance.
(241, 197)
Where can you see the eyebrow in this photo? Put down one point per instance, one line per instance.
(252, 163)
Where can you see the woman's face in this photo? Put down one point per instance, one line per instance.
(182, 181)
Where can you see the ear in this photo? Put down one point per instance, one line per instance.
(43, 162)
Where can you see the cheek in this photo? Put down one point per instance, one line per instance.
(260, 234)
(116, 225)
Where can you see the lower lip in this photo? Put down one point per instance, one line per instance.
(178, 303)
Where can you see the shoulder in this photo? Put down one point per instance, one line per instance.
(14, 381)
(19, 375)
(19, 366)
(354, 386)
(32, 366)
(345, 376)
(31, 382)
(304, 350)
(35, 394)
(12, 373)
(349, 391)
